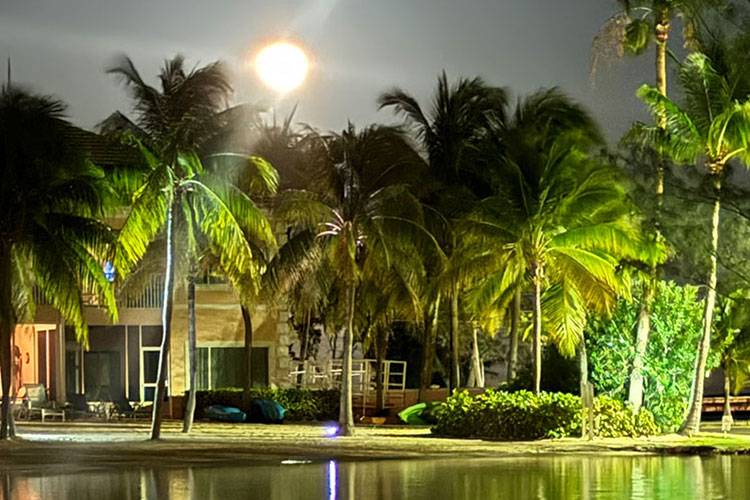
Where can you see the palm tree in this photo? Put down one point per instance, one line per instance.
(357, 211)
(51, 201)
(390, 292)
(175, 123)
(557, 221)
(712, 124)
(448, 133)
(733, 347)
(632, 30)
(639, 23)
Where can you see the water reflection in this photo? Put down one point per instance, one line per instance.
(559, 477)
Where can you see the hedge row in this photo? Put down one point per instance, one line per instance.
(523, 415)
(300, 404)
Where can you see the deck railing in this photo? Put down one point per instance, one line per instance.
(151, 297)
(364, 378)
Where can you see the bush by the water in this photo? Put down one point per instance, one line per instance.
(300, 404)
(523, 415)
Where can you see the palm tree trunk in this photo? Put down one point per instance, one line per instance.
(455, 376)
(537, 328)
(726, 419)
(635, 390)
(693, 420)
(247, 322)
(7, 323)
(346, 412)
(303, 347)
(583, 368)
(428, 349)
(14, 388)
(166, 319)
(187, 422)
(643, 330)
(515, 318)
(587, 392)
(477, 376)
(661, 32)
(381, 348)
(333, 341)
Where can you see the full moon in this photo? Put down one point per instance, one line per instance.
(282, 66)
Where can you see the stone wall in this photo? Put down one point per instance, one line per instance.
(219, 323)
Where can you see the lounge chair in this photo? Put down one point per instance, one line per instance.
(124, 409)
(35, 401)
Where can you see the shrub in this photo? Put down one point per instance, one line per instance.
(523, 415)
(300, 404)
(676, 317)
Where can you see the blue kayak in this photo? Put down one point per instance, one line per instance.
(223, 413)
(266, 411)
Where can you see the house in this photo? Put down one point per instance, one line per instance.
(122, 358)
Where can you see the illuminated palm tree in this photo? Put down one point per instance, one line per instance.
(51, 202)
(175, 125)
(632, 30)
(449, 132)
(357, 209)
(711, 125)
(557, 222)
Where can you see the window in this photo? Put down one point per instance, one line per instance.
(221, 367)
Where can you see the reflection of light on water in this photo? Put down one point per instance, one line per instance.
(332, 480)
(295, 462)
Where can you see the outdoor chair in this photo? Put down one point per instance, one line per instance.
(124, 409)
(79, 406)
(35, 401)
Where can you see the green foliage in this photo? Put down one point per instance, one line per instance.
(558, 219)
(559, 374)
(731, 346)
(637, 36)
(300, 404)
(52, 200)
(523, 415)
(676, 317)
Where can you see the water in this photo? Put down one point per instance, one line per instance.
(547, 477)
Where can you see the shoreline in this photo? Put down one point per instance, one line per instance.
(60, 448)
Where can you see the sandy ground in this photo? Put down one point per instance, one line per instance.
(59, 446)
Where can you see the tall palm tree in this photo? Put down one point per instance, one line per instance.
(175, 122)
(51, 203)
(357, 210)
(557, 221)
(713, 125)
(632, 30)
(640, 23)
(448, 133)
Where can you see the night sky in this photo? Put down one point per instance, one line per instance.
(360, 48)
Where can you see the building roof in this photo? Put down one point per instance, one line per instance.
(102, 150)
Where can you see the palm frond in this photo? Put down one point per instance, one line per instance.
(564, 316)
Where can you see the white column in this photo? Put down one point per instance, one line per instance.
(60, 364)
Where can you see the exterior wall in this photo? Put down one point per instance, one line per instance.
(219, 323)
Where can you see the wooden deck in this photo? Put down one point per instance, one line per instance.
(716, 404)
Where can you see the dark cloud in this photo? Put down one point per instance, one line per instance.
(361, 48)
